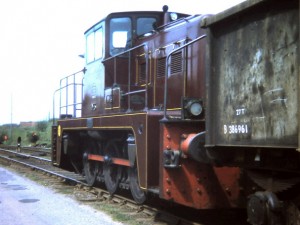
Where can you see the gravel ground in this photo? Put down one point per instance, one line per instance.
(23, 202)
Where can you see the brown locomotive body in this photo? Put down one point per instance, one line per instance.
(202, 121)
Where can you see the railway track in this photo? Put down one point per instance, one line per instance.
(157, 213)
(141, 214)
(30, 150)
(40, 164)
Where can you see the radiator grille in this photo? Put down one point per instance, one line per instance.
(176, 63)
(142, 73)
(175, 67)
(161, 67)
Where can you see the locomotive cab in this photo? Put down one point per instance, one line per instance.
(110, 83)
(104, 40)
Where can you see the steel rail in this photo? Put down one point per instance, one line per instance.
(96, 191)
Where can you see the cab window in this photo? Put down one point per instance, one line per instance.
(145, 25)
(120, 34)
(94, 45)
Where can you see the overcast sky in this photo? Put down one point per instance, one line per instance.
(40, 41)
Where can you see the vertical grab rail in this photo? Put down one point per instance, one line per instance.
(147, 77)
(74, 97)
(167, 71)
(129, 82)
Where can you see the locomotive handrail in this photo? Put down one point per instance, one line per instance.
(69, 85)
(74, 84)
(133, 92)
(180, 20)
(122, 53)
(167, 70)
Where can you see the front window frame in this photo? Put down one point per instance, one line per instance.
(142, 26)
(95, 45)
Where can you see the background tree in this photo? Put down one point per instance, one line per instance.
(32, 138)
(42, 126)
(3, 137)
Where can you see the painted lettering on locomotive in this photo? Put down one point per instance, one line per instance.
(198, 110)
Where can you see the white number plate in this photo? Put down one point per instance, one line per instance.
(236, 129)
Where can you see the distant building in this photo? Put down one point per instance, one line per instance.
(28, 124)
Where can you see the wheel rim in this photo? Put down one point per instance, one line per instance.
(137, 193)
(112, 173)
(91, 168)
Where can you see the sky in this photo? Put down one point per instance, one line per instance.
(40, 41)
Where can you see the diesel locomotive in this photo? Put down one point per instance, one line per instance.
(199, 110)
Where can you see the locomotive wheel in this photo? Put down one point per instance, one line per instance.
(91, 168)
(112, 173)
(137, 193)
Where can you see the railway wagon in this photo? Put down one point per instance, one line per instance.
(252, 114)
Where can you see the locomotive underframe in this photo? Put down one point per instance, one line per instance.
(121, 126)
(86, 139)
